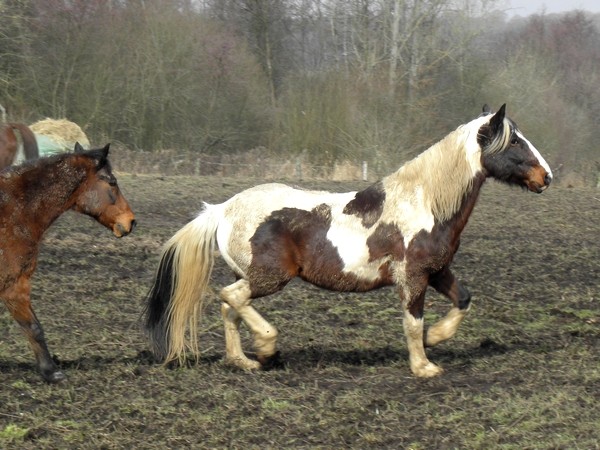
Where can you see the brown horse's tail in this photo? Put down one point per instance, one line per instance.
(174, 303)
(30, 146)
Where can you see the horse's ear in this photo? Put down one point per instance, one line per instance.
(486, 109)
(491, 131)
(497, 120)
(78, 148)
(103, 156)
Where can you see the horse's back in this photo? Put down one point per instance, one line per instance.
(250, 207)
(243, 214)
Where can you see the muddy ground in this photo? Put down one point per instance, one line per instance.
(523, 371)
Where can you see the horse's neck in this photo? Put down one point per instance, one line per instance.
(461, 216)
(49, 194)
(441, 178)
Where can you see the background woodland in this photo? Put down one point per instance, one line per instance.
(327, 81)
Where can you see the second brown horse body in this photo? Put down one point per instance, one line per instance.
(9, 143)
(32, 196)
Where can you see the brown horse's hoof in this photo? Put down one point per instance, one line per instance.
(54, 377)
(270, 362)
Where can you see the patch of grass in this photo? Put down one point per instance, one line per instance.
(12, 434)
(522, 372)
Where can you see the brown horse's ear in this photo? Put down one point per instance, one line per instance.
(78, 148)
(103, 153)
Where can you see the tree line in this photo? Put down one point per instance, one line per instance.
(327, 80)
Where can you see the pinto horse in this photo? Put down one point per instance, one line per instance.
(9, 143)
(32, 196)
(403, 230)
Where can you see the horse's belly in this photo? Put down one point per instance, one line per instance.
(367, 279)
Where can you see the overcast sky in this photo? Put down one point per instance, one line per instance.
(527, 7)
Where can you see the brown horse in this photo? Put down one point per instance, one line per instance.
(9, 143)
(32, 196)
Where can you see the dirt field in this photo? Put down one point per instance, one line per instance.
(523, 371)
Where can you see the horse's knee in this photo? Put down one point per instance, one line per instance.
(236, 295)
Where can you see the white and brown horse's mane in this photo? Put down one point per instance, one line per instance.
(443, 174)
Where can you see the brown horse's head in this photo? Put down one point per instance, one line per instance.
(101, 197)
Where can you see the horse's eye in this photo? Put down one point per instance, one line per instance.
(514, 141)
(110, 180)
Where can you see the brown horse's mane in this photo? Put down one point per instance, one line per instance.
(51, 180)
(96, 158)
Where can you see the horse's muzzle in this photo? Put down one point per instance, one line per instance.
(538, 180)
(120, 230)
(547, 181)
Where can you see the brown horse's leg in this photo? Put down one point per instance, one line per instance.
(412, 292)
(446, 283)
(18, 301)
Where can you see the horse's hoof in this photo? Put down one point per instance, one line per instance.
(243, 363)
(55, 377)
(427, 371)
(270, 362)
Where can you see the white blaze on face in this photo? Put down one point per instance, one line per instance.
(536, 153)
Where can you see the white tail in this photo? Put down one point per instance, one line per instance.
(174, 303)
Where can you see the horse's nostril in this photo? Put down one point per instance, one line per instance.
(133, 225)
(548, 179)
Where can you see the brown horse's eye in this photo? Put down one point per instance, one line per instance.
(112, 196)
(112, 181)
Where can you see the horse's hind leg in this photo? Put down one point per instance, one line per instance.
(446, 283)
(17, 299)
(237, 298)
(233, 342)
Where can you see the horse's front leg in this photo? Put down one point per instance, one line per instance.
(446, 283)
(412, 293)
(17, 299)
